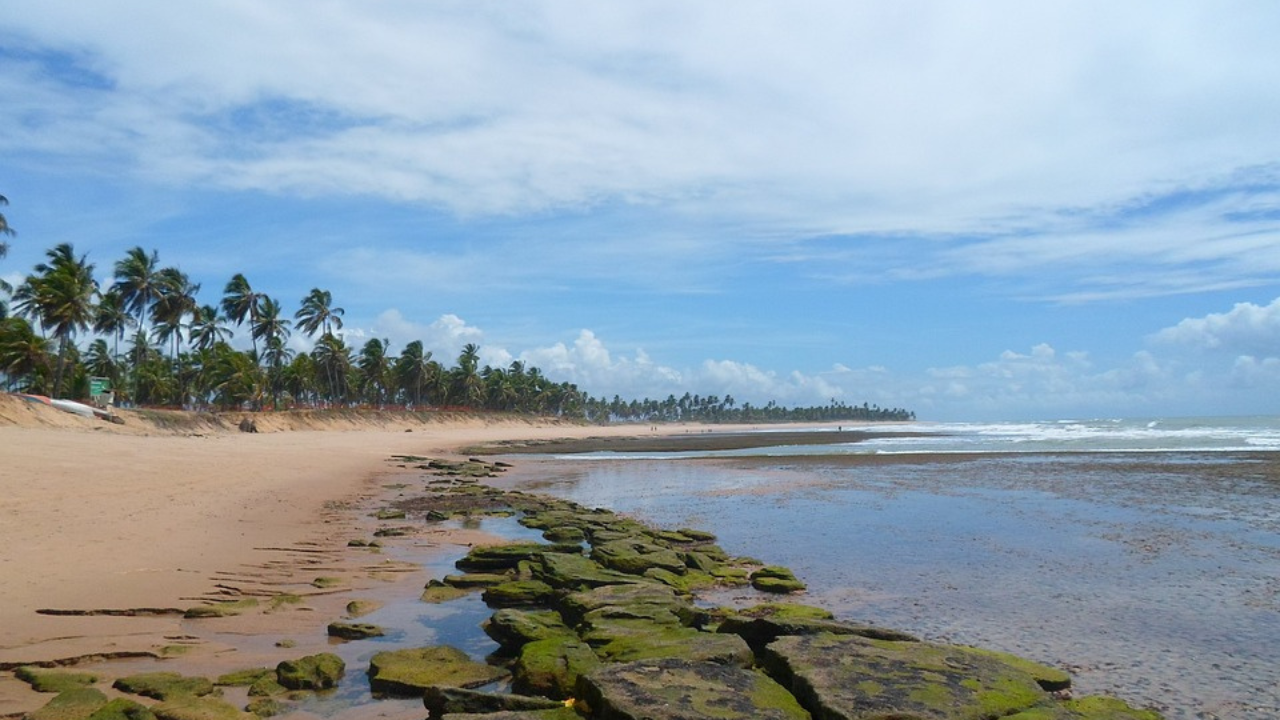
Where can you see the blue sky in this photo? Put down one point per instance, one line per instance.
(1003, 210)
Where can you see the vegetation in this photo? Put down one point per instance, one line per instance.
(158, 345)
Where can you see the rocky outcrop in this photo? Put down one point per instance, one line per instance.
(682, 690)
(313, 672)
(410, 672)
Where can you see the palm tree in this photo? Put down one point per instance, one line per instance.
(4, 228)
(177, 300)
(207, 328)
(331, 353)
(273, 331)
(413, 373)
(112, 318)
(375, 368)
(468, 386)
(316, 313)
(240, 303)
(24, 355)
(60, 295)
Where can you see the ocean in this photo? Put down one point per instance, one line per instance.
(1141, 554)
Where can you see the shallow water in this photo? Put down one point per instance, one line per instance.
(1151, 576)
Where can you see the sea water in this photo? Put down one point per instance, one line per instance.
(1143, 555)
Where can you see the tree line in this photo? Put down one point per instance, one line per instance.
(148, 333)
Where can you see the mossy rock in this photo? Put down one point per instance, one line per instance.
(775, 579)
(576, 572)
(574, 607)
(221, 609)
(564, 534)
(164, 685)
(700, 536)
(268, 686)
(1049, 678)
(517, 593)
(74, 704)
(686, 583)
(354, 631)
(512, 628)
(410, 672)
(392, 532)
(53, 681)
(359, 608)
(682, 690)
(312, 672)
(763, 624)
(389, 514)
(551, 667)
(245, 677)
(324, 583)
(476, 580)
(847, 676)
(437, 592)
(266, 707)
(634, 557)
(123, 709)
(701, 561)
(488, 558)
(680, 643)
(451, 701)
(281, 600)
(189, 707)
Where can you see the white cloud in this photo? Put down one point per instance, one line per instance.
(1245, 329)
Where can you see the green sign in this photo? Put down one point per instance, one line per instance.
(99, 386)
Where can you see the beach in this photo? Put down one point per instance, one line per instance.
(118, 528)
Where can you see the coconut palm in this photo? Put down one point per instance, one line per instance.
(4, 228)
(240, 303)
(316, 313)
(207, 328)
(414, 373)
(332, 356)
(467, 385)
(177, 300)
(375, 371)
(24, 355)
(112, 318)
(60, 296)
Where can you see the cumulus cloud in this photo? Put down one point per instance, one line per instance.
(1245, 329)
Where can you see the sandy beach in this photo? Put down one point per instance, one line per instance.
(99, 520)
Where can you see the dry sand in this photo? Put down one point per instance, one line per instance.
(158, 514)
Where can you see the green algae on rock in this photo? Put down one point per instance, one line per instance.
(312, 672)
(357, 608)
(74, 704)
(354, 631)
(516, 593)
(123, 709)
(439, 700)
(164, 685)
(551, 667)
(488, 558)
(411, 671)
(245, 677)
(855, 678)
(221, 609)
(775, 579)
(437, 592)
(512, 628)
(53, 681)
(189, 707)
(682, 690)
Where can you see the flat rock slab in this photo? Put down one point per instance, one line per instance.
(440, 701)
(847, 677)
(683, 690)
(410, 672)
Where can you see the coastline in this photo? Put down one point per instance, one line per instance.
(118, 528)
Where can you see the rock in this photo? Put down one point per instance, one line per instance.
(763, 624)
(577, 572)
(312, 672)
(411, 671)
(563, 713)
(564, 534)
(1106, 708)
(575, 606)
(678, 642)
(266, 707)
(245, 677)
(682, 690)
(357, 608)
(512, 628)
(634, 556)
(53, 681)
(518, 593)
(441, 699)
(164, 685)
(685, 583)
(221, 609)
(123, 709)
(354, 631)
(390, 514)
(197, 708)
(476, 580)
(1049, 678)
(775, 579)
(268, 686)
(248, 425)
(847, 677)
(488, 558)
(551, 667)
(701, 536)
(74, 704)
(438, 592)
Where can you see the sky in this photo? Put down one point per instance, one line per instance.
(976, 211)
